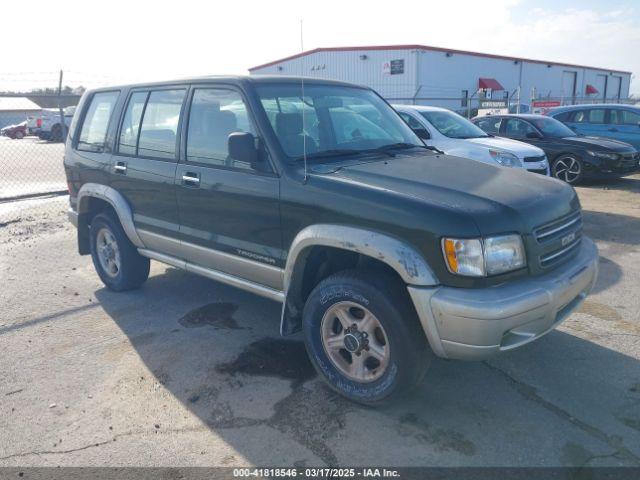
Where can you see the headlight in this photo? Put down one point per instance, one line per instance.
(475, 257)
(505, 159)
(608, 156)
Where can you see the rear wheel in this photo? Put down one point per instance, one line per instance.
(18, 135)
(364, 338)
(568, 169)
(115, 258)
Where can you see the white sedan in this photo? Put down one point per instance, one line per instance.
(455, 135)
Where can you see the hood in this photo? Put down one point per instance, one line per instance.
(497, 199)
(600, 143)
(520, 149)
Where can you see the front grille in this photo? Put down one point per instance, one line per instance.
(540, 171)
(629, 160)
(539, 158)
(557, 241)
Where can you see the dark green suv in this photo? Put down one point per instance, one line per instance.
(317, 195)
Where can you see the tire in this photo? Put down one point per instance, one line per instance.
(398, 338)
(19, 135)
(127, 269)
(568, 168)
(56, 133)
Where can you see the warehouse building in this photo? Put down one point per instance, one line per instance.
(456, 79)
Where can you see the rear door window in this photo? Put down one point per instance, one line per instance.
(159, 128)
(96, 121)
(624, 117)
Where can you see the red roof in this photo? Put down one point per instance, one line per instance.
(428, 48)
(491, 83)
(590, 89)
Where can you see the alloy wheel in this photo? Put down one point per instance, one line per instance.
(108, 252)
(567, 169)
(355, 342)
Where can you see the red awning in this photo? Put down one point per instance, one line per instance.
(491, 83)
(590, 89)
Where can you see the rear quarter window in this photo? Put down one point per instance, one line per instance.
(93, 131)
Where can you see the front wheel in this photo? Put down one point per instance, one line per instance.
(364, 338)
(19, 135)
(568, 169)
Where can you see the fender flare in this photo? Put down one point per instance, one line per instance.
(116, 200)
(400, 256)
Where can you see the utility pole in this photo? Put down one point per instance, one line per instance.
(63, 127)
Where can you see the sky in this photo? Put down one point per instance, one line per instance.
(99, 43)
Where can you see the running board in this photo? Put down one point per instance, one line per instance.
(216, 275)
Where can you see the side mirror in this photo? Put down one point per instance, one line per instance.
(422, 133)
(242, 147)
(533, 135)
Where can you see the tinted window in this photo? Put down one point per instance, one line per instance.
(624, 117)
(160, 124)
(515, 127)
(595, 115)
(131, 123)
(550, 127)
(96, 121)
(489, 125)
(214, 115)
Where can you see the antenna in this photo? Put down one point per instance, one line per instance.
(304, 135)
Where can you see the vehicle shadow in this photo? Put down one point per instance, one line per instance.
(630, 184)
(562, 400)
(611, 227)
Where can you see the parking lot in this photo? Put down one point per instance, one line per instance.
(30, 166)
(187, 371)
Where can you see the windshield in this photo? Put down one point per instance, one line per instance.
(332, 120)
(550, 127)
(453, 125)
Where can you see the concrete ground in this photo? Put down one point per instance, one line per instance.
(186, 371)
(30, 166)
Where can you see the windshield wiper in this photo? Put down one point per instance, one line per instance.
(337, 152)
(431, 147)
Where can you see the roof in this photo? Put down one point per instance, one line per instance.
(17, 104)
(594, 105)
(432, 49)
(228, 79)
(420, 108)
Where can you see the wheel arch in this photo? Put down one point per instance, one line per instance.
(374, 248)
(92, 199)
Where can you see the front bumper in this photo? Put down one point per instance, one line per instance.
(473, 324)
(541, 167)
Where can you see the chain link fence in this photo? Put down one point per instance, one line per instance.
(33, 131)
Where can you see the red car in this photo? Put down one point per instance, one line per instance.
(16, 132)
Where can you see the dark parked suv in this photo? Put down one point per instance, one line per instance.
(382, 251)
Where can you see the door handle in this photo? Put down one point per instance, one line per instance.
(120, 167)
(613, 129)
(191, 179)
